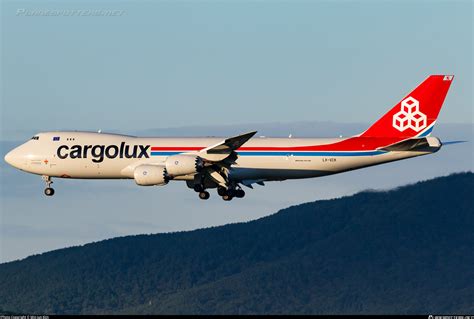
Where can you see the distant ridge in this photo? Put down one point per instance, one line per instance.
(403, 251)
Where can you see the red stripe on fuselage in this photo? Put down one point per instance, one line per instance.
(180, 148)
(350, 144)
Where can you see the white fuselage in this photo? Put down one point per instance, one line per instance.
(73, 155)
(227, 163)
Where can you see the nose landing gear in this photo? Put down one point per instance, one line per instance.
(48, 190)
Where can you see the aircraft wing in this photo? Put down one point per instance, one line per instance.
(225, 148)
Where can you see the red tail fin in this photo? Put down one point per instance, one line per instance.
(416, 114)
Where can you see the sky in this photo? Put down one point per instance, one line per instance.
(181, 63)
(215, 68)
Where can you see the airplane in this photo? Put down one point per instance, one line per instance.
(243, 160)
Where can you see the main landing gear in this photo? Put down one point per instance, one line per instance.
(228, 193)
(203, 194)
(48, 191)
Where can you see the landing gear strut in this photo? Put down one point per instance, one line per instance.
(198, 188)
(48, 190)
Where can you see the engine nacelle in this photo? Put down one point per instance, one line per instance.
(183, 164)
(149, 175)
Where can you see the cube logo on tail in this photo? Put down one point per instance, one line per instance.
(409, 116)
(416, 111)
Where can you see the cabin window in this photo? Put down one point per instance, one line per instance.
(35, 138)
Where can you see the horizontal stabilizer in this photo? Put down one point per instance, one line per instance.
(454, 142)
(423, 144)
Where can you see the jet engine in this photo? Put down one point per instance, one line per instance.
(149, 175)
(183, 164)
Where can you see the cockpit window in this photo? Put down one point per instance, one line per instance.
(35, 138)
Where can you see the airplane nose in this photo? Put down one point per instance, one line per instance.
(9, 158)
(17, 158)
(13, 158)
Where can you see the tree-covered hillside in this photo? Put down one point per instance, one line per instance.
(408, 250)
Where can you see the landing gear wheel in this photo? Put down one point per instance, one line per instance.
(204, 195)
(49, 191)
(227, 197)
(239, 193)
(231, 192)
(221, 191)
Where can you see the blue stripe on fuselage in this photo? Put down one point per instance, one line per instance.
(247, 153)
(165, 153)
(310, 153)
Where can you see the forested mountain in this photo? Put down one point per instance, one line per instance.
(407, 250)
